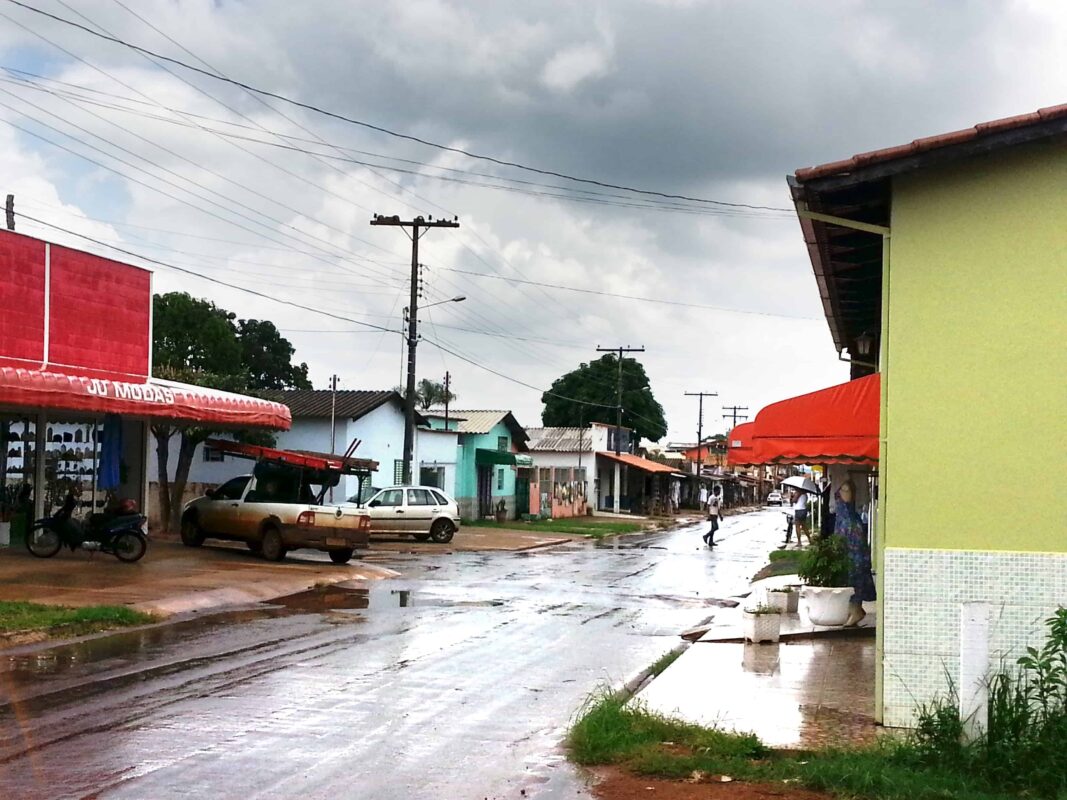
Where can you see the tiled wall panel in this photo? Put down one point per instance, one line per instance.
(921, 618)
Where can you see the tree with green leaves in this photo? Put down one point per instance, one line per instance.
(429, 394)
(588, 394)
(195, 341)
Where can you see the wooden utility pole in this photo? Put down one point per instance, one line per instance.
(418, 226)
(700, 426)
(734, 414)
(618, 413)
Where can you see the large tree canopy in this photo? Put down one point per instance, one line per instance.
(195, 341)
(595, 382)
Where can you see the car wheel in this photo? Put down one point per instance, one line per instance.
(341, 556)
(442, 531)
(272, 547)
(192, 535)
(422, 537)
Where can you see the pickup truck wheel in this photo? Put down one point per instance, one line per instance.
(192, 535)
(422, 537)
(341, 556)
(442, 531)
(272, 547)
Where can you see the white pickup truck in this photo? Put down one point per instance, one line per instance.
(273, 512)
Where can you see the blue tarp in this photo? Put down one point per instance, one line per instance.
(110, 453)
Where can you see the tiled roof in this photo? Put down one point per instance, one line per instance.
(559, 440)
(932, 143)
(482, 421)
(317, 402)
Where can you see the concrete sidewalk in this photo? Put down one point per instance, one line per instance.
(171, 578)
(813, 689)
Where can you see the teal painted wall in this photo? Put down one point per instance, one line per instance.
(466, 471)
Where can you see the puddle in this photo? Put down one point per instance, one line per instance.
(337, 597)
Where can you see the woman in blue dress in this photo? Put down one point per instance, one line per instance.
(849, 525)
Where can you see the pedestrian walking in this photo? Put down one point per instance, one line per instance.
(714, 508)
(848, 524)
(800, 516)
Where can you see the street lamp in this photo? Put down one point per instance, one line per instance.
(409, 401)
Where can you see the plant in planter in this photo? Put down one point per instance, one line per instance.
(824, 570)
(762, 623)
(501, 512)
(786, 599)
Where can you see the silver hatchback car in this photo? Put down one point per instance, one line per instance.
(424, 512)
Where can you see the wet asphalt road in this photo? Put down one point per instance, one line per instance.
(456, 681)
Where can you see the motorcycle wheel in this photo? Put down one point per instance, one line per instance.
(130, 546)
(43, 542)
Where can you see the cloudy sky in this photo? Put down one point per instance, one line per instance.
(710, 100)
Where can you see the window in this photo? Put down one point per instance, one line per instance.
(545, 475)
(420, 497)
(441, 499)
(390, 497)
(398, 472)
(563, 475)
(502, 443)
(211, 454)
(432, 476)
(232, 489)
(500, 479)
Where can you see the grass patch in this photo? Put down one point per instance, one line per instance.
(780, 562)
(664, 661)
(21, 617)
(611, 731)
(570, 526)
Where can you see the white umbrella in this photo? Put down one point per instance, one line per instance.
(801, 482)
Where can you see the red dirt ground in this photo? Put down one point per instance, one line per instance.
(617, 784)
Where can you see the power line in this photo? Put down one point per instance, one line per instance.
(602, 293)
(378, 128)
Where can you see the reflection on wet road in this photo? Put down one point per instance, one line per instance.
(456, 681)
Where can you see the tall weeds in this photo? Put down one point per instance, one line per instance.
(1023, 745)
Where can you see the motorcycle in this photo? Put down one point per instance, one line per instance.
(119, 532)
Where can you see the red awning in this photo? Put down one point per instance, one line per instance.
(639, 463)
(838, 425)
(739, 445)
(153, 399)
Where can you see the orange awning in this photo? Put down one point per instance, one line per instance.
(739, 445)
(838, 425)
(638, 462)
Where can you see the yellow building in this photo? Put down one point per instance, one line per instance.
(949, 254)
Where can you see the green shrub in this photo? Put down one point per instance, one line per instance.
(825, 563)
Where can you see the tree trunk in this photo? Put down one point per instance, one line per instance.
(163, 434)
(190, 439)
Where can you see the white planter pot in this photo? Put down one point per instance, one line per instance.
(761, 627)
(827, 605)
(786, 602)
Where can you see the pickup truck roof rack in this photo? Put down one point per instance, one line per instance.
(345, 465)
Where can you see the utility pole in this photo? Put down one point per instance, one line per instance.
(618, 414)
(10, 209)
(700, 426)
(333, 420)
(448, 396)
(734, 416)
(418, 226)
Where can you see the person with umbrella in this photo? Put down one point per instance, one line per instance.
(802, 487)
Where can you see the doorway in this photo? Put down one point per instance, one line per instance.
(485, 491)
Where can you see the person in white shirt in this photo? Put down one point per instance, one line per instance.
(800, 516)
(714, 507)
